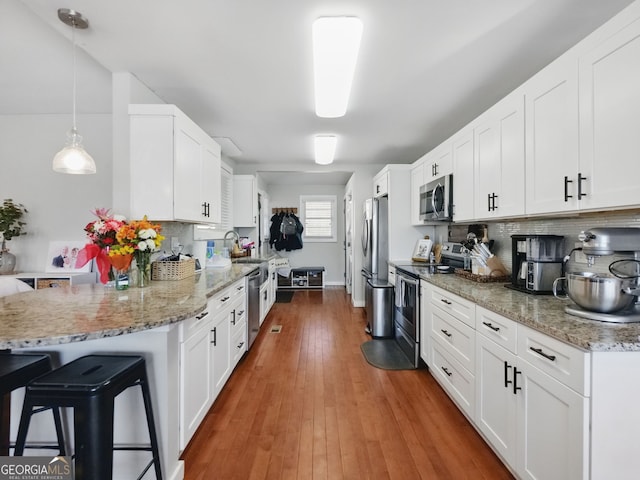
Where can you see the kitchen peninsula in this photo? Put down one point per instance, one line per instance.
(158, 322)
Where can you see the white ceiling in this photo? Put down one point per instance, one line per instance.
(242, 68)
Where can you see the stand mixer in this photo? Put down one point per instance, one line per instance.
(608, 291)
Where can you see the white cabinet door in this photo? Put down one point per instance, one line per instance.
(440, 162)
(609, 114)
(245, 201)
(187, 194)
(552, 161)
(463, 179)
(178, 159)
(220, 339)
(417, 180)
(425, 320)
(264, 301)
(212, 182)
(381, 184)
(496, 402)
(553, 427)
(195, 386)
(499, 159)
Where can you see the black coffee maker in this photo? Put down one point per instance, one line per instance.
(536, 261)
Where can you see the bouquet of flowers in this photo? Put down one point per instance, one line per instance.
(102, 235)
(139, 238)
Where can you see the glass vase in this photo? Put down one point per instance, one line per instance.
(143, 262)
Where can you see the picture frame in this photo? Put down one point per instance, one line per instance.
(422, 250)
(61, 257)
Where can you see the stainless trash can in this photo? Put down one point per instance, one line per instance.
(379, 308)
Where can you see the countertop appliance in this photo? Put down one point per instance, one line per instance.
(407, 313)
(536, 261)
(436, 200)
(607, 290)
(255, 281)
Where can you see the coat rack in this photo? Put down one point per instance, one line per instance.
(277, 211)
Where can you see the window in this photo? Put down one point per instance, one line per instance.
(319, 218)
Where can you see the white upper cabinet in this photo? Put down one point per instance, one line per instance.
(609, 84)
(552, 162)
(381, 184)
(463, 180)
(245, 201)
(499, 159)
(180, 165)
(417, 180)
(439, 162)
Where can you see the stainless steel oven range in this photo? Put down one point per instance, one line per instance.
(407, 312)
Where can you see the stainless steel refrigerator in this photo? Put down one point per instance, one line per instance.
(378, 293)
(375, 238)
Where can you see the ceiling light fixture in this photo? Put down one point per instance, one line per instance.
(325, 148)
(336, 41)
(73, 158)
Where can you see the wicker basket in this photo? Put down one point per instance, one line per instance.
(170, 270)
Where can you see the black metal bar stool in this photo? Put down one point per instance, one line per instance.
(90, 384)
(16, 371)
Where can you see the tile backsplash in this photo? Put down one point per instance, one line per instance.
(569, 227)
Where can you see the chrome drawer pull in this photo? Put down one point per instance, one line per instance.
(446, 333)
(444, 369)
(490, 325)
(541, 353)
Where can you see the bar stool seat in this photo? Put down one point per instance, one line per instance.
(89, 385)
(16, 371)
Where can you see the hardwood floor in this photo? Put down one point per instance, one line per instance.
(305, 404)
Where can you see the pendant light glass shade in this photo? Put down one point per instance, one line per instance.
(73, 158)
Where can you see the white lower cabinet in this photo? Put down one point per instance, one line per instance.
(211, 345)
(195, 367)
(538, 425)
(220, 351)
(452, 346)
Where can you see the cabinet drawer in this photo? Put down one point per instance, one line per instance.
(238, 344)
(496, 327)
(225, 298)
(238, 318)
(456, 337)
(191, 326)
(457, 381)
(462, 309)
(567, 364)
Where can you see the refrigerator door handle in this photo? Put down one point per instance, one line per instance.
(365, 236)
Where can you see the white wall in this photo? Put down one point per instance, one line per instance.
(59, 205)
(314, 254)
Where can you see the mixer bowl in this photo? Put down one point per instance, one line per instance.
(598, 294)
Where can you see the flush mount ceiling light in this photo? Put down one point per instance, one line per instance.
(336, 41)
(325, 148)
(73, 158)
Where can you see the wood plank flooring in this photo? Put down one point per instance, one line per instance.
(305, 404)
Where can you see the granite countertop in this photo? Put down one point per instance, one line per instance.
(84, 312)
(544, 313)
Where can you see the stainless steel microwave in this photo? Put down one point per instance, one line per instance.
(436, 200)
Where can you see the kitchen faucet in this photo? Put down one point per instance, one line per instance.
(236, 238)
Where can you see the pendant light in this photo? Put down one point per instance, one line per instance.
(73, 158)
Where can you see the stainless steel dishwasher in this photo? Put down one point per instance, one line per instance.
(256, 279)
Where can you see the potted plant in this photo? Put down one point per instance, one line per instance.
(10, 226)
